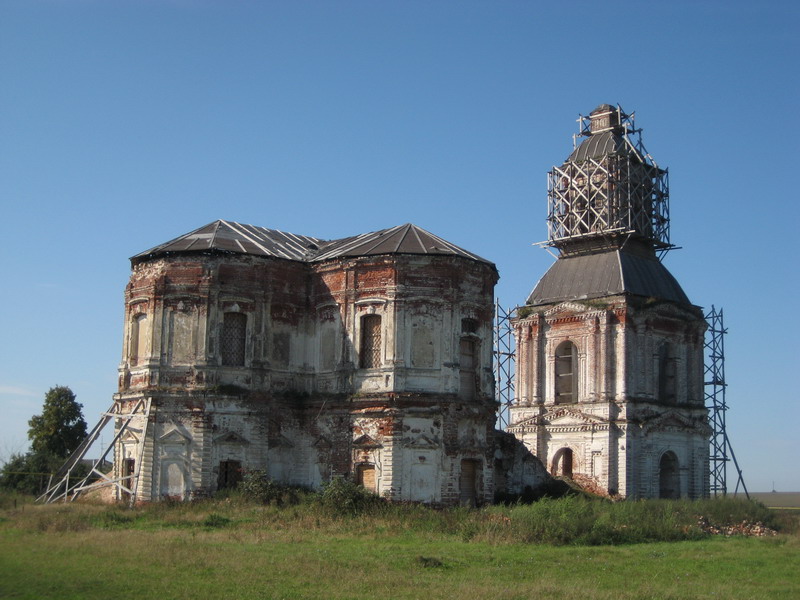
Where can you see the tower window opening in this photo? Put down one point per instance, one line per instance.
(666, 374)
(566, 373)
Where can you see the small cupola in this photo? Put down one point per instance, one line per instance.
(604, 118)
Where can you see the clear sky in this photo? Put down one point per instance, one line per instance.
(126, 123)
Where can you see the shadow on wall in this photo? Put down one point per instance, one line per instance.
(521, 477)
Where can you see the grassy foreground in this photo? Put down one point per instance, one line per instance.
(236, 549)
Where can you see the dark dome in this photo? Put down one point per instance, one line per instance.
(599, 145)
(606, 274)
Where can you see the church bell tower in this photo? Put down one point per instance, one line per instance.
(609, 347)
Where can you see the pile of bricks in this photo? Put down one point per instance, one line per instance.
(745, 528)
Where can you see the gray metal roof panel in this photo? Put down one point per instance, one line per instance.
(648, 277)
(403, 239)
(228, 236)
(606, 274)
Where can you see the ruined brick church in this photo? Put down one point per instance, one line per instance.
(370, 357)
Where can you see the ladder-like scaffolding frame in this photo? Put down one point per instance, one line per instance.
(613, 195)
(504, 362)
(721, 451)
(59, 487)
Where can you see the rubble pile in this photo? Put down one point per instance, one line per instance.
(746, 528)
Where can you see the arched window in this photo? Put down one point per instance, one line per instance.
(370, 357)
(566, 373)
(669, 483)
(232, 344)
(666, 374)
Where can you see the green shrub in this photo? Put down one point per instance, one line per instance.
(256, 486)
(342, 496)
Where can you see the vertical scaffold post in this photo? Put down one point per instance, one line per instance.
(504, 356)
(721, 451)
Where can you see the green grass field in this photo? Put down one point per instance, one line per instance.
(236, 549)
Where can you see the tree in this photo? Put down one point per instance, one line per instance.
(28, 473)
(54, 435)
(61, 427)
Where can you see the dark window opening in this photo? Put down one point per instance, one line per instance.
(370, 342)
(666, 374)
(128, 472)
(563, 463)
(230, 474)
(468, 482)
(234, 333)
(469, 326)
(468, 362)
(566, 387)
(669, 484)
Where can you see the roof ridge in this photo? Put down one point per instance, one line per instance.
(406, 229)
(234, 237)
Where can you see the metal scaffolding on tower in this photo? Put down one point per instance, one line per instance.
(721, 450)
(609, 187)
(504, 362)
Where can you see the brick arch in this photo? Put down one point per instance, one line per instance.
(564, 462)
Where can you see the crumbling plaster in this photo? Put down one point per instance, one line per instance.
(620, 424)
(299, 406)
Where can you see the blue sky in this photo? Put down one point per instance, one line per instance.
(126, 123)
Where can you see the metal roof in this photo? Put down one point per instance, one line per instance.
(227, 236)
(606, 274)
(403, 239)
(602, 144)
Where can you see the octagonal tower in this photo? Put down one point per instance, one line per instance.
(609, 347)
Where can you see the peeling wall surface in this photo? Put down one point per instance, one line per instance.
(609, 371)
(638, 396)
(370, 357)
(371, 363)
